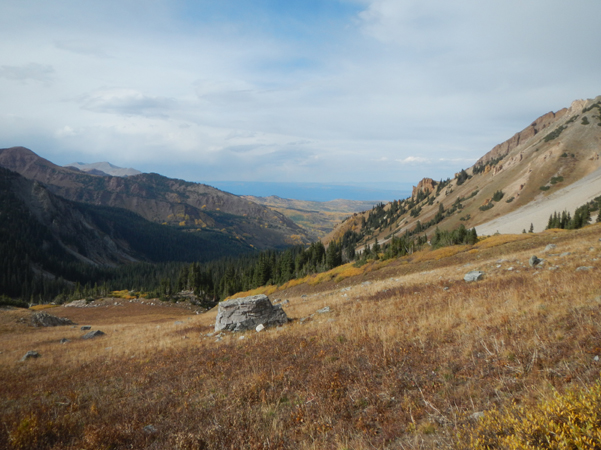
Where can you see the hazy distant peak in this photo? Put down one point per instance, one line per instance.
(104, 167)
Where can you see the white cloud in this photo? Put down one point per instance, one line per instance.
(430, 85)
(31, 71)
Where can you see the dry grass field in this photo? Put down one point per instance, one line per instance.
(408, 353)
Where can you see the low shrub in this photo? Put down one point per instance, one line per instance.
(569, 420)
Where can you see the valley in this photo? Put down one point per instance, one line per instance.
(406, 357)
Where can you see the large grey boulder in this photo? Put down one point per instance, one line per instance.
(247, 313)
(42, 319)
(474, 275)
(534, 261)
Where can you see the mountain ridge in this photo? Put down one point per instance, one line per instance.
(187, 205)
(553, 152)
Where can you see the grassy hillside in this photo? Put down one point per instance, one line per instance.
(407, 357)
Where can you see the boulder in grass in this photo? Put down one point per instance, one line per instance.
(247, 313)
(30, 354)
(534, 261)
(93, 334)
(42, 319)
(474, 275)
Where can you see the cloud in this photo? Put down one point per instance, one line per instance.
(128, 102)
(81, 48)
(414, 159)
(32, 71)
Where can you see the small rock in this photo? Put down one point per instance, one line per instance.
(209, 334)
(303, 319)
(550, 247)
(86, 327)
(92, 334)
(150, 429)
(584, 268)
(474, 275)
(285, 302)
(446, 288)
(565, 254)
(534, 261)
(366, 283)
(178, 322)
(477, 415)
(596, 358)
(30, 354)
(323, 310)
(64, 340)
(241, 337)
(260, 328)
(510, 269)
(303, 296)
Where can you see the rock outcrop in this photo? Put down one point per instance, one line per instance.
(535, 127)
(42, 319)
(427, 184)
(247, 313)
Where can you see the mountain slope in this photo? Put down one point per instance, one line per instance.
(103, 169)
(42, 233)
(537, 164)
(160, 199)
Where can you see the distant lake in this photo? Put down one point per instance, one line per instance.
(317, 192)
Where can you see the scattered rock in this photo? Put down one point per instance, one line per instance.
(510, 268)
(93, 334)
(304, 296)
(285, 302)
(260, 328)
(584, 268)
(565, 254)
(64, 340)
(178, 322)
(325, 309)
(596, 358)
(246, 313)
(366, 283)
(242, 337)
(30, 354)
(477, 415)
(76, 304)
(534, 261)
(150, 429)
(474, 275)
(42, 319)
(446, 288)
(550, 247)
(86, 327)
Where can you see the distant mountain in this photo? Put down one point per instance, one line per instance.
(103, 169)
(552, 165)
(318, 218)
(43, 237)
(187, 206)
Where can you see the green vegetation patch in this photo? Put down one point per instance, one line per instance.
(554, 134)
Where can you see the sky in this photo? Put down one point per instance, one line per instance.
(321, 91)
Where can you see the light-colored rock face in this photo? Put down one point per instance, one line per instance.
(427, 184)
(247, 313)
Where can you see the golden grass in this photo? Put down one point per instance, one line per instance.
(399, 362)
(500, 239)
(42, 307)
